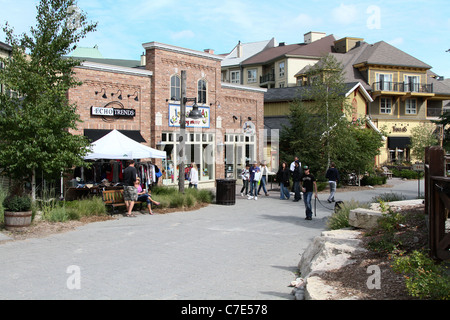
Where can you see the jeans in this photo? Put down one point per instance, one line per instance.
(262, 185)
(244, 186)
(298, 195)
(284, 192)
(332, 190)
(307, 196)
(253, 188)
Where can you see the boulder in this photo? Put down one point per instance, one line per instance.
(364, 218)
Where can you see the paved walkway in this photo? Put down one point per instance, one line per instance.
(248, 251)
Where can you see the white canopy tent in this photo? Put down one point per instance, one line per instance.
(116, 145)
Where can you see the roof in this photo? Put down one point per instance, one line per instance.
(113, 62)
(386, 54)
(5, 46)
(84, 52)
(246, 51)
(317, 48)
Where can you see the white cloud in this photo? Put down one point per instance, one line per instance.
(345, 14)
(184, 34)
(396, 42)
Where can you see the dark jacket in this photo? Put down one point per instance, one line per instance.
(296, 174)
(283, 176)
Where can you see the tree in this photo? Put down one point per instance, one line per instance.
(35, 119)
(320, 129)
(422, 136)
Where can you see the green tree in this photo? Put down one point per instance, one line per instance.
(320, 131)
(35, 119)
(422, 136)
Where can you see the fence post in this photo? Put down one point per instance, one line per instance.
(434, 166)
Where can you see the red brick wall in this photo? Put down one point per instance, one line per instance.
(94, 80)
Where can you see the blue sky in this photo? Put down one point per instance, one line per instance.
(420, 28)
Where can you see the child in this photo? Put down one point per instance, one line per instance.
(245, 174)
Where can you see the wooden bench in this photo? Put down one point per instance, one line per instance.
(387, 173)
(114, 198)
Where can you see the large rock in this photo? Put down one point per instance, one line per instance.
(330, 251)
(364, 218)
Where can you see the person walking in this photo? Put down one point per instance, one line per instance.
(129, 190)
(253, 180)
(292, 168)
(264, 174)
(296, 176)
(245, 175)
(283, 175)
(333, 177)
(308, 183)
(193, 176)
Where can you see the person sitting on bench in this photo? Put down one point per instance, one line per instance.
(144, 196)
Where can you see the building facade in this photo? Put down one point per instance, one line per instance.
(146, 106)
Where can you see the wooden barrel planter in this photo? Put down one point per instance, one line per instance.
(16, 220)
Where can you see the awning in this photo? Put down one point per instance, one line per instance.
(95, 134)
(399, 142)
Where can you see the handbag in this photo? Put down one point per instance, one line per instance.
(257, 176)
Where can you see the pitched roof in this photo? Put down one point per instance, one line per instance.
(243, 51)
(315, 49)
(386, 54)
(5, 46)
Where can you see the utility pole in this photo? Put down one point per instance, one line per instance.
(182, 138)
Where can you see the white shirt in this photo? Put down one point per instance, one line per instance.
(193, 176)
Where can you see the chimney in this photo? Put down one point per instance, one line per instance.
(313, 36)
(282, 44)
(210, 51)
(239, 49)
(143, 59)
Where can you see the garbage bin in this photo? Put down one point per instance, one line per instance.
(226, 192)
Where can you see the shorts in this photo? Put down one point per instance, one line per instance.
(130, 193)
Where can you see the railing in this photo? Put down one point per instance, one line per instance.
(437, 201)
(267, 78)
(402, 87)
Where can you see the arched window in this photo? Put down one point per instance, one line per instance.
(175, 88)
(201, 92)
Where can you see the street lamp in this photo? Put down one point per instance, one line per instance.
(195, 113)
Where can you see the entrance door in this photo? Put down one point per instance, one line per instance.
(234, 160)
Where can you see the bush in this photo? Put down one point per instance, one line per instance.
(17, 203)
(170, 197)
(373, 180)
(73, 210)
(339, 219)
(405, 173)
(424, 278)
(388, 197)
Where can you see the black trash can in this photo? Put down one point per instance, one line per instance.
(226, 192)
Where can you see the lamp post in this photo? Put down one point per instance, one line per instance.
(194, 114)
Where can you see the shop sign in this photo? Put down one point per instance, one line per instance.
(203, 122)
(112, 112)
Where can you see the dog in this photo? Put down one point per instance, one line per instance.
(338, 205)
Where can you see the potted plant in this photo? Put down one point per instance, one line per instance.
(18, 212)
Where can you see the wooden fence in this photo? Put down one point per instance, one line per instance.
(437, 201)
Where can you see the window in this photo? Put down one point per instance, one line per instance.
(281, 69)
(384, 81)
(175, 88)
(412, 83)
(236, 77)
(411, 106)
(251, 75)
(385, 105)
(201, 92)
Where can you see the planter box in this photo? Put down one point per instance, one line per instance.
(15, 220)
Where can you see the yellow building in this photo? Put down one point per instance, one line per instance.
(392, 89)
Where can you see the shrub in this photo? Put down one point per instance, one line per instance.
(424, 278)
(17, 203)
(388, 197)
(405, 173)
(373, 180)
(339, 219)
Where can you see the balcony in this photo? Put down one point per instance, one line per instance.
(267, 79)
(402, 88)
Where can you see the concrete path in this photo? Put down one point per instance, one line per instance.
(248, 251)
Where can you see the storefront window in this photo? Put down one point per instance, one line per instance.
(199, 148)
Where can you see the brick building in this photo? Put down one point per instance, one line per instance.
(144, 103)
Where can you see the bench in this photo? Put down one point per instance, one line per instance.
(114, 198)
(387, 173)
